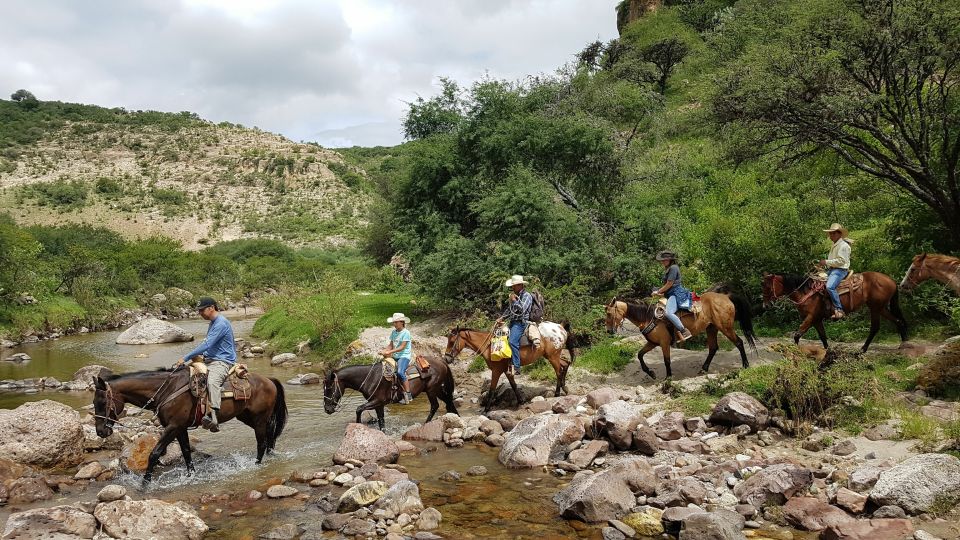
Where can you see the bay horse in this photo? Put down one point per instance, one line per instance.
(879, 294)
(554, 338)
(166, 392)
(924, 266)
(369, 381)
(718, 314)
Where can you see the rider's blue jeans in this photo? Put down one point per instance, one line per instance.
(672, 313)
(402, 365)
(834, 277)
(516, 332)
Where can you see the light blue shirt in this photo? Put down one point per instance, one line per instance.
(218, 344)
(396, 338)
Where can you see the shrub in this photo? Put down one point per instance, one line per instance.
(59, 193)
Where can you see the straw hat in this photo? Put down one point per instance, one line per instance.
(399, 317)
(516, 279)
(836, 227)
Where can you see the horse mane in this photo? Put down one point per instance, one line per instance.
(795, 282)
(139, 374)
(636, 310)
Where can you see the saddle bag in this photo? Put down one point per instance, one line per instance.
(500, 348)
(422, 363)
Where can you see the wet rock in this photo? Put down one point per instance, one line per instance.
(28, 490)
(89, 471)
(280, 491)
(288, 531)
(720, 525)
(58, 522)
(450, 476)
(811, 514)
(773, 485)
(872, 529)
(918, 483)
(149, 520)
(477, 470)
(135, 455)
(864, 478)
(429, 519)
(361, 495)
(738, 408)
(366, 444)
(673, 518)
(111, 493)
(851, 501)
(616, 421)
(538, 440)
(305, 378)
(612, 533)
(402, 498)
(390, 476)
(495, 440)
(582, 457)
(608, 494)
(431, 431)
(602, 396)
(646, 522)
(282, 359)
(42, 434)
(491, 427)
(152, 331)
(19, 358)
(625, 529)
(254, 495)
(889, 511)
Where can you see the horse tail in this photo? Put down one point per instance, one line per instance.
(448, 383)
(278, 418)
(570, 342)
(743, 315)
(898, 313)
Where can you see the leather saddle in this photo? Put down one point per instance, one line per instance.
(418, 368)
(696, 307)
(849, 285)
(236, 387)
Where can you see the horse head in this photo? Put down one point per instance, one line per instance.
(332, 392)
(772, 288)
(614, 313)
(916, 274)
(454, 345)
(107, 407)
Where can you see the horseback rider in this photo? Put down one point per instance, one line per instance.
(678, 297)
(399, 350)
(219, 353)
(837, 264)
(517, 313)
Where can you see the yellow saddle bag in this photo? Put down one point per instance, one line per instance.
(500, 348)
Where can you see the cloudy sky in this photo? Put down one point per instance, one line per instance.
(337, 72)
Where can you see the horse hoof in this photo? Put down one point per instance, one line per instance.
(702, 372)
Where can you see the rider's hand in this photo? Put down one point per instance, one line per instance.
(178, 363)
(656, 293)
(513, 297)
(499, 321)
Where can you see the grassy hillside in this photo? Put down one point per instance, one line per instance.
(176, 175)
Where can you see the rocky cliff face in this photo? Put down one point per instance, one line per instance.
(631, 10)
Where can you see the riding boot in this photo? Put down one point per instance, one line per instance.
(838, 314)
(210, 421)
(407, 398)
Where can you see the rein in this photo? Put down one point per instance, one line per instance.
(337, 401)
(112, 401)
(787, 296)
(476, 352)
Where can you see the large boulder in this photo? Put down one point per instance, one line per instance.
(602, 396)
(738, 408)
(870, 529)
(720, 525)
(360, 495)
(539, 440)
(616, 421)
(811, 514)
(431, 431)
(366, 444)
(608, 494)
(58, 522)
(402, 498)
(83, 377)
(773, 485)
(43, 434)
(151, 331)
(150, 520)
(919, 482)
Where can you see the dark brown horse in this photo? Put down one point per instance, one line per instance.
(879, 293)
(924, 266)
(553, 339)
(718, 314)
(369, 381)
(166, 393)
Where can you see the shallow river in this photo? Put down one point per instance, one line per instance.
(503, 504)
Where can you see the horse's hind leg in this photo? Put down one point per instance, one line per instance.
(731, 334)
(516, 390)
(494, 381)
(434, 404)
(822, 333)
(643, 365)
(711, 348)
(560, 371)
(874, 328)
(900, 324)
(184, 439)
(166, 438)
(665, 348)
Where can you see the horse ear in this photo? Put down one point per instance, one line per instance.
(99, 384)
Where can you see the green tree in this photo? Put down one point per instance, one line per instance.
(664, 55)
(26, 99)
(439, 114)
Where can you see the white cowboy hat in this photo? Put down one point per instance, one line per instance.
(516, 279)
(836, 227)
(399, 317)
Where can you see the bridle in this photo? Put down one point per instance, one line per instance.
(778, 279)
(338, 394)
(115, 410)
(449, 356)
(909, 279)
(613, 305)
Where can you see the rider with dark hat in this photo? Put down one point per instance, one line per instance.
(678, 297)
(219, 353)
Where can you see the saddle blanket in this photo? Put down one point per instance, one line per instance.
(415, 369)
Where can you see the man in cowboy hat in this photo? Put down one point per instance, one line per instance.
(837, 264)
(400, 350)
(518, 315)
(219, 353)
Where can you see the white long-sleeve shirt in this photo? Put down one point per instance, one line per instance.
(839, 256)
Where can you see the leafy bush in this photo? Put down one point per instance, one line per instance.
(61, 193)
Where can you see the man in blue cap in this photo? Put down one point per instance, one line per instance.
(219, 352)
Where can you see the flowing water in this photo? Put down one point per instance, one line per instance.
(505, 503)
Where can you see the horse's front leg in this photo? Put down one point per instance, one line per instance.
(809, 321)
(183, 437)
(166, 438)
(381, 423)
(495, 371)
(643, 365)
(368, 406)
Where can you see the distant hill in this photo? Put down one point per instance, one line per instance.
(144, 173)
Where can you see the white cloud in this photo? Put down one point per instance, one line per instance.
(335, 71)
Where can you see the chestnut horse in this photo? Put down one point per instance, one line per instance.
(553, 339)
(167, 393)
(369, 381)
(942, 268)
(879, 293)
(719, 311)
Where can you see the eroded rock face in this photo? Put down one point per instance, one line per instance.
(616, 421)
(150, 520)
(917, 483)
(608, 494)
(152, 331)
(738, 408)
(58, 522)
(538, 440)
(43, 434)
(773, 485)
(366, 444)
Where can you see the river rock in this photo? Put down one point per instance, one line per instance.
(281, 491)
(646, 522)
(429, 519)
(864, 478)
(287, 531)
(582, 457)
(869, 529)
(616, 421)
(282, 359)
(89, 471)
(19, 358)
(28, 490)
(83, 377)
(719, 525)
(811, 514)
(608, 494)
(358, 527)
(670, 427)
(362, 443)
(431, 431)
(851, 501)
(43, 434)
(112, 493)
(773, 485)
(305, 378)
(360, 495)
(402, 498)
(539, 440)
(152, 331)
(150, 520)
(57, 523)
(919, 482)
(738, 408)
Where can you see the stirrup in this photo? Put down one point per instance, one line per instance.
(837, 315)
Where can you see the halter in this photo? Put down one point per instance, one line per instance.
(776, 278)
(146, 406)
(476, 352)
(338, 390)
(337, 402)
